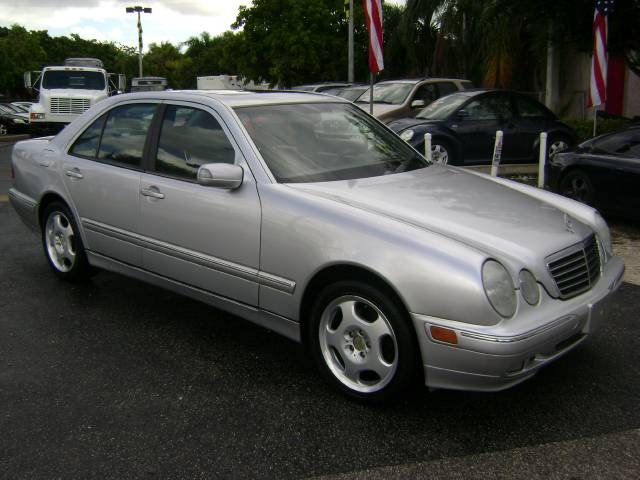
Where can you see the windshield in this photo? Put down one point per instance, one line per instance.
(20, 108)
(443, 107)
(391, 93)
(321, 142)
(6, 111)
(73, 79)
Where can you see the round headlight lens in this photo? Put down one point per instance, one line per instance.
(498, 286)
(407, 135)
(529, 287)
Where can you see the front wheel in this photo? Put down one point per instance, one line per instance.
(3, 130)
(578, 186)
(362, 341)
(63, 245)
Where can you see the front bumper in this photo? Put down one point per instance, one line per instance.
(487, 359)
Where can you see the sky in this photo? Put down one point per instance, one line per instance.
(171, 20)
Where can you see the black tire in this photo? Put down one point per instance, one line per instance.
(403, 354)
(3, 130)
(71, 268)
(577, 185)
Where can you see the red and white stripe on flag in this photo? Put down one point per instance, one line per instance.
(373, 17)
(598, 86)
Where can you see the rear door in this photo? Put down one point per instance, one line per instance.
(201, 236)
(530, 120)
(102, 171)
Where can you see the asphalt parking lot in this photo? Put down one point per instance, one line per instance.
(118, 379)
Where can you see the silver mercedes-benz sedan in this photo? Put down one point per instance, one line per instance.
(302, 213)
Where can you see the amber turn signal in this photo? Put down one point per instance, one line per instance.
(444, 335)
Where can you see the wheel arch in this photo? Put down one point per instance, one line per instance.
(47, 199)
(342, 271)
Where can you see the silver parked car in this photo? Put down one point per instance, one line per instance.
(304, 214)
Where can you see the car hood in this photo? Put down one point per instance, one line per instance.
(378, 108)
(405, 123)
(468, 208)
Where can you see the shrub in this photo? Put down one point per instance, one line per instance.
(584, 128)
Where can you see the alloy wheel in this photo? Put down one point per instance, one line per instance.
(439, 154)
(358, 343)
(60, 241)
(557, 146)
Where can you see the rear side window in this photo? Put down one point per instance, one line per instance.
(189, 138)
(467, 85)
(445, 88)
(125, 133)
(87, 144)
(527, 107)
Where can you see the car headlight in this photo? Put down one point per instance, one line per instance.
(529, 287)
(407, 135)
(499, 288)
(19, 120)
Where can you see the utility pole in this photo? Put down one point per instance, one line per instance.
(138, 9)
(350, 76)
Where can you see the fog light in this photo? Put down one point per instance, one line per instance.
(444, 335)
(529, 287)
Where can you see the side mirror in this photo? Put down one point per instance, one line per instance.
(220, 175)
(417, 104)
(462, 114)
(122, 82)
(27, 81)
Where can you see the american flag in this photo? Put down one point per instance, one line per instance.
(598, 88)
(373, 17)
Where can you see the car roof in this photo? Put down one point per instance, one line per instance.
(239, 98)
(417, 80)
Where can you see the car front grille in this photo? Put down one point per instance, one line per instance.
(576, 269)
(69, 105)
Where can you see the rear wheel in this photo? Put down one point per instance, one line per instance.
(362, 341)
(557, 145)
(62, 244)
(577, 185)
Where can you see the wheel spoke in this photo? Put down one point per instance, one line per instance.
(352, 370)
(335, 339)
(375, 363)
(57, 221)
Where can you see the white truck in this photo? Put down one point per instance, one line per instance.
(148, 84)
(66, 91)
(228, 82)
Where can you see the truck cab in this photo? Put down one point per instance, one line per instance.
(67, 91)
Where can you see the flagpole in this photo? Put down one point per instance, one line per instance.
(350, 47)
(371, 94)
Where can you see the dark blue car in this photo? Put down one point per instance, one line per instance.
(463, 127)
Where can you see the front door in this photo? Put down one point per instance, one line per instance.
(102, 174)
(201, 236)
(477, 130)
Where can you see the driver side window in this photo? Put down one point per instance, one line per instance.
(495, 107)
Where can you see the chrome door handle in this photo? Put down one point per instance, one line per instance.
(152, 192)
(73, 173)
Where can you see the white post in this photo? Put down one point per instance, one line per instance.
(497, 153)
(427, 147)
(542, 159)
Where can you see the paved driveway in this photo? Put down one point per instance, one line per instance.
(118, 379)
